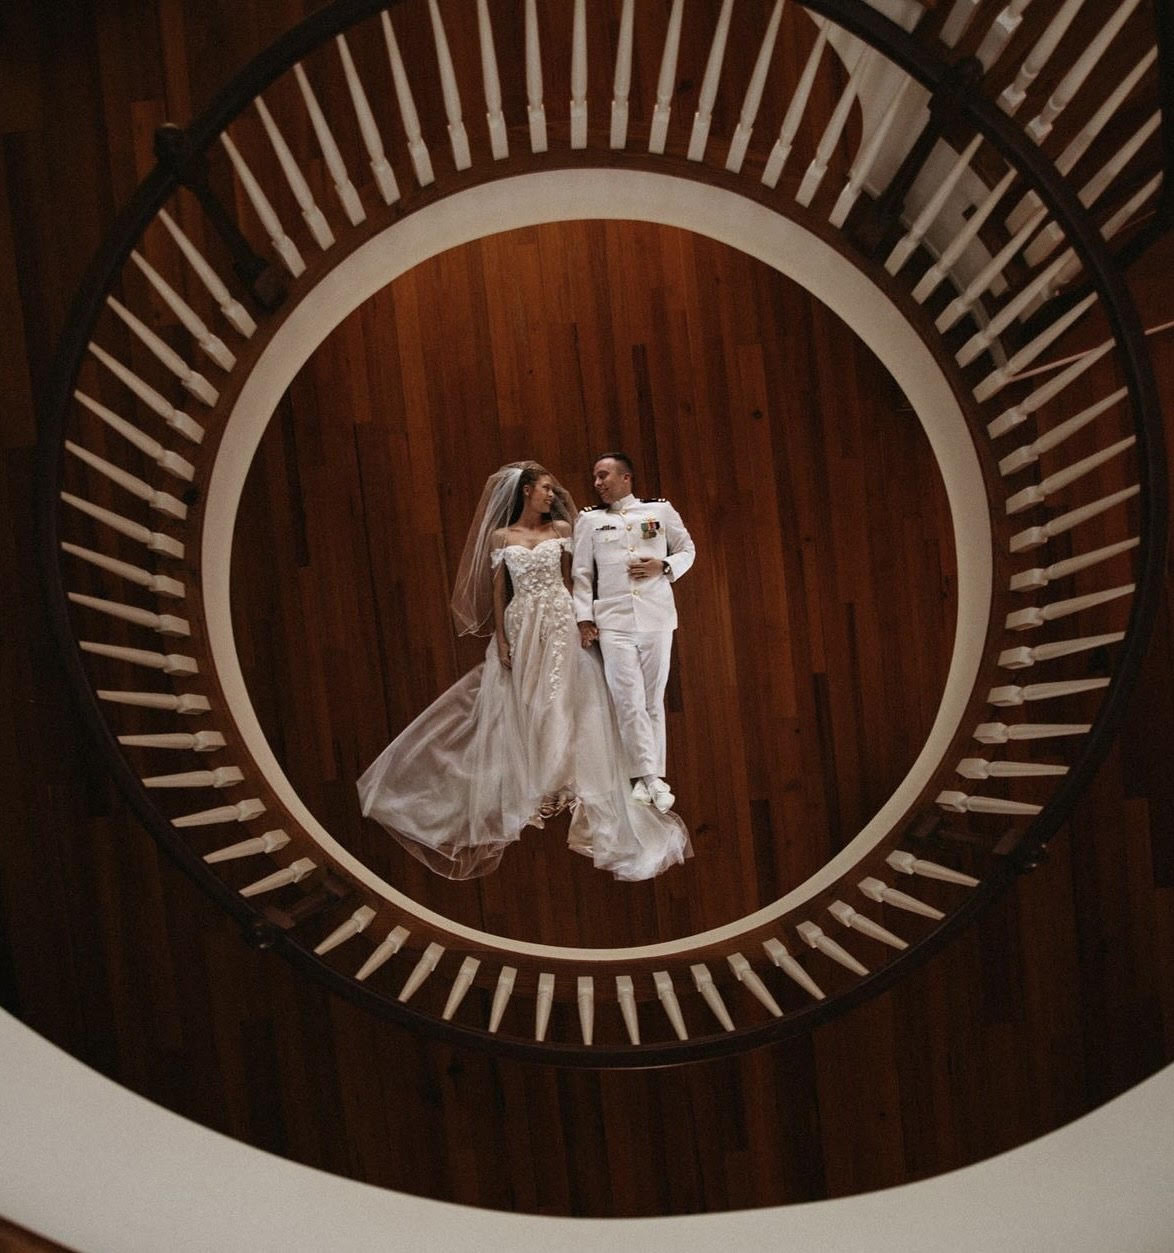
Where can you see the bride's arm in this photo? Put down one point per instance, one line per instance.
(563, 530)
(501, 596)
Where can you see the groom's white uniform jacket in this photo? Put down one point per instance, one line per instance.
(607, 540)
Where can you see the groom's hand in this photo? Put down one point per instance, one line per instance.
(588, 633)
(645, 567)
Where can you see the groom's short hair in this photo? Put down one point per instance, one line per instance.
(621, 458)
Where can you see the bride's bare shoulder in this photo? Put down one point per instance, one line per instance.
(562, 528)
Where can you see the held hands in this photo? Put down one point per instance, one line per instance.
(645, 567)
(588, 634)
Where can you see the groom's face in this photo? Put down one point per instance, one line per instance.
(612, 481)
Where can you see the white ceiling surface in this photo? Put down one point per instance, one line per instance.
(95, 1167)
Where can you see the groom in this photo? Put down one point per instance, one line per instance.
(627, 555)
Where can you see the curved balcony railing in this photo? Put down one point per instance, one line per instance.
(907, 154)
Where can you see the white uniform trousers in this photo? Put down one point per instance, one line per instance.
(636, 664)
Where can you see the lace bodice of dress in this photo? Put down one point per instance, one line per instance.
(535, 572)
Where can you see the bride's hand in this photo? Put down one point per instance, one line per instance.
(503, 655)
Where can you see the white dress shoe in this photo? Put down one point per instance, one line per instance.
(640, 793)
(661, 794)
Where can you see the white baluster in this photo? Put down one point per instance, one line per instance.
(285, 247)
(1096, 186)
(866, 158)
(962, 303)
(357, 923)
(191, 320)
(369, 129)
(999, 377)
(161, 623)
(242, 811)
(424, 966)
(1113, 225)
(1037, 493)
(960, 803)
(911, 240)
(1037, 615)
(1009, 695)
(197, 742)
(1079, 144)
(1041, 576)
(703, 982)
(814, 937)
(579, 76)
(776, 950)
(155, 541)
(491, 81)
(980, 768)
(175, 418)
(906, 863)
(1000, 32)
(160, 584)
(460, 986)
(1002, 375)
(877, 890)
(312, 215)
(501, 996)
(161, 502)
(237, 315)
(666, 80)
(844, 914)
(745, 975)
(709, 84)
(542, 1003)
(168, 663)
(449, 90)
(191, 380)
(794, 115)
(221, 777)
(928, 283)
(1034, 536)
(626, 996)
(961, 15)
(535, 109)
(190, 703)
(622, 83)
(384, 951)
(753, 97)
(1014, 93)
(834, 129)
(417, 148)
(666, 994)
(981, 340)
(585, 996)
(270, 842)
(1040, 126)
(347, 195)
(1001, 733)
(167, 460)
(1020, 412)
(1022, 657)
(294, 873)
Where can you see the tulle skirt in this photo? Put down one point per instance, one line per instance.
(504, 749)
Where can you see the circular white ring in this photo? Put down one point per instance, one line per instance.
(567, 195)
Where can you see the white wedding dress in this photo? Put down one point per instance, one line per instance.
(505, 749)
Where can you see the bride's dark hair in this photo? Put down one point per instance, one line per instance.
(531, 473)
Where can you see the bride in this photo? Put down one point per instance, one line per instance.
(531, 730)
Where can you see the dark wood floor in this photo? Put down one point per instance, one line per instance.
(1059, 998)
(816, 623)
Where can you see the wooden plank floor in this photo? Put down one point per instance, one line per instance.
(1062, 995)
(806, 481)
